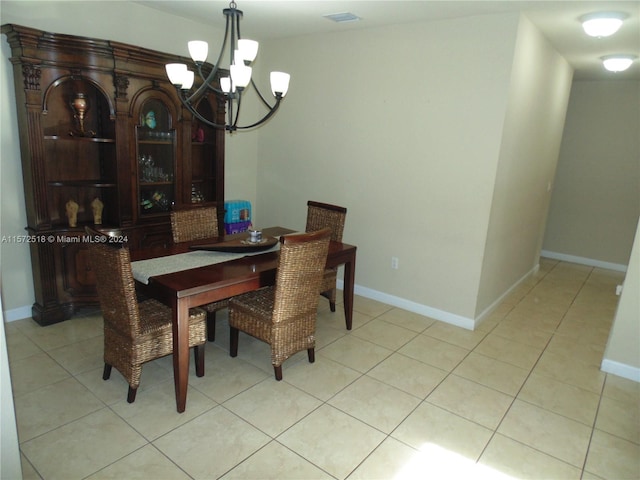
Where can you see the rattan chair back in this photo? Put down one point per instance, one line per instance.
(116, 287)
(322, 215)
(300, 270)
(194, 224)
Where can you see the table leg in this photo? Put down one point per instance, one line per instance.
(181, 352)
(349, 281)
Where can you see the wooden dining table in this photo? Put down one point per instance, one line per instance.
(193, 287)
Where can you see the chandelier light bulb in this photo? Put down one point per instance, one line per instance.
(187, 80)
(602, 24)
(228, 85)
(225, 84)
(279, 83)
(618, 63)
(240, 75)
(248, 49)
(198, 50)
(176, 73)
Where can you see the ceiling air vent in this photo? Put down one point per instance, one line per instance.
(342, 17)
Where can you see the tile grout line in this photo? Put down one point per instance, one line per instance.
(448, 374)
(515, 397)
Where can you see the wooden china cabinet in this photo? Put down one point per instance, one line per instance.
(105, 142)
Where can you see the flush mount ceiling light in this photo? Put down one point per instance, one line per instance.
(602, 24)
(618, 63)
(241, 53)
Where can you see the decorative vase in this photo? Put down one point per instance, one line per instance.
(80, 105)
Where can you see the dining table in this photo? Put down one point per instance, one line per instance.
(191, 274)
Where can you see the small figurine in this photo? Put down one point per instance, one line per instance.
(200, 135)
(72, 213)
(97, 207)
(197, 134)
(150, 119)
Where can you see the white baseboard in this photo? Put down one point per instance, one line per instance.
(583, 261)
(447, 317)
(457, 320)
(487, 311)
(621, 370)
(17, 313)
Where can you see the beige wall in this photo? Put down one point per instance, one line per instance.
(596, 199)
(10, 466)
(410, 128)
(528, 156)
(622, 355)
(15, 263)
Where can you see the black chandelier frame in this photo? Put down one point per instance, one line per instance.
(233, 98)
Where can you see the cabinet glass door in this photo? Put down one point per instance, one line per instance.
(203, 158)
(156, 154)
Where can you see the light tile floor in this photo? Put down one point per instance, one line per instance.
(400, 396)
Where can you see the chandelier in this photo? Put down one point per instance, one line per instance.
(241, 53)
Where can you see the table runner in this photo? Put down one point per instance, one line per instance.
(144, 269)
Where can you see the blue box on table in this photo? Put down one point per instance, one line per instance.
(237, 211)
(237, 216)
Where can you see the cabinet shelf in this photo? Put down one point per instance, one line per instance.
(64, 228)
(155, 184)
(79, 139)
(155, 142)
(82, 183)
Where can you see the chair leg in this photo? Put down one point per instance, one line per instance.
(311, 353)
(131, 396)
(278, 372)
(106, 372)
(332, 299)
(198, 357)
(234, 333)
(329, 295)
(211, 326)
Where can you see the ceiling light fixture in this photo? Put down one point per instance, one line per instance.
(618, 63)
(602, 24)
(241, 53)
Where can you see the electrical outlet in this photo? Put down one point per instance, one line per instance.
(394, 263)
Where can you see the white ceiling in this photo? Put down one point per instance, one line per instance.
(558, 21)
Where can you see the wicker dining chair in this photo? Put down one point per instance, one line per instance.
(134, 332)
(196, 224)
(322, 215)
(284, 315)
